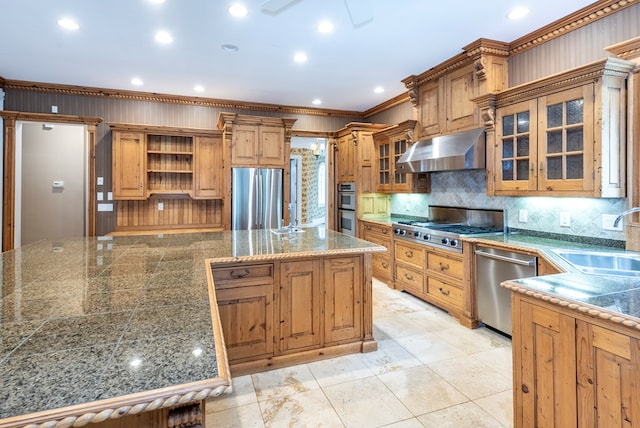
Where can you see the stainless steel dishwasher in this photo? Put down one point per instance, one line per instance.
(494, 266)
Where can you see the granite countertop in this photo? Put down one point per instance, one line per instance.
(106, 318)
(612, 297)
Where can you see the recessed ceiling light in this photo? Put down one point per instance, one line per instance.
(198, 88)
(517, 13)
(164, 37)
(378, 89)
(69, 24)
(136, 81)
(230, 48)
(300, 57)
(325, 27)
(238, 10)
(316, 102)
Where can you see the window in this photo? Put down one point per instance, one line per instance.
(322, 184)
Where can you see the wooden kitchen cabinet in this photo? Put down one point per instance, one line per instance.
(208, 168)
(299, 305)
(129, 163)
(256, 141)
(343, 295)
(169, 164)
(382, 262)
(391, 143)
(445, 273)
(563, 135)
(571, 369)
(409, 267)
(355, 155)
(444, 95)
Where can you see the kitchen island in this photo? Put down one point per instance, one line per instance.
(94, 329)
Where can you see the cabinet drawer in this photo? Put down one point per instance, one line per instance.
(410, 278)
(380, 240)
(242, 276)
(381, 266)
(409, 254)
(445, 265)
(446, 293)
(378, 228)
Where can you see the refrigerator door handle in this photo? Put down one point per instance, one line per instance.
(259, 192)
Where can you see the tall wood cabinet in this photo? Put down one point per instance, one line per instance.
(443, 96)
(129, 160)
(571, 369)
(563, 135)
(391, 143)
(355, 154)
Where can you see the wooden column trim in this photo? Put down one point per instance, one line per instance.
(8, 198)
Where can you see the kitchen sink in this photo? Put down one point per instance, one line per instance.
(287, 230)
(603, 263)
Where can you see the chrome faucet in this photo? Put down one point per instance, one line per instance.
(624, 213)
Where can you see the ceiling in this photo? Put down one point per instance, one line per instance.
(115, 43)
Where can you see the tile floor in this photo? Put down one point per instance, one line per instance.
(428, 371)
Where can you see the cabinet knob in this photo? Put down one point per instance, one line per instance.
(525, 389)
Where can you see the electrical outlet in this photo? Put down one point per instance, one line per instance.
(54, 109)
(523, 216)
(608, 220)
(160, 206)
(565, 219)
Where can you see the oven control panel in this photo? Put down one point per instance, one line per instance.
(428, 237)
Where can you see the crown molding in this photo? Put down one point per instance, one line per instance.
(585, 16)
(629, 49)
(55, 88)
(397, 100)
(49, 117)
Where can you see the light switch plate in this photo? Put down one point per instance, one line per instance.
(160, 206)
(100, 181)
(565, 219)
(523, 216)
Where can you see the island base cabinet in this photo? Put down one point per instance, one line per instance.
(572, 370)
(343, 299)
(246, 315)
(299, 305)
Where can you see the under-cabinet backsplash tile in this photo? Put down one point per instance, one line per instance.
(469, 189)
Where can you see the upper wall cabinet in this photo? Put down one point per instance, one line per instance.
(391, 143)
(563, 135)
(150, 160)
(443, 96)
(257, 141)
(355, 154)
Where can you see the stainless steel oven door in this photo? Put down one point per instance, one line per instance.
(347, 222)
(347, 200)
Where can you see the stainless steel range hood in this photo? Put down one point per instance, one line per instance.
(463, 150)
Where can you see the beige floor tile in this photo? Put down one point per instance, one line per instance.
(243, 393)
(421, 390)
(472, 341)
(407, 423)
(283, 382)
(500, 359)
(339, 370)
(389, 357)
(429, 347)
(307, 409)
(471, 376)
(463, 415)
(500, 406)
(432, 320)
(248, 416)
(366, 403)
(379, 334)
(397, 326)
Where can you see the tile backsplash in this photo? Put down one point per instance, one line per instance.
(469, 189)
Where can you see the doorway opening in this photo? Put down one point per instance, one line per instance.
(309, 180)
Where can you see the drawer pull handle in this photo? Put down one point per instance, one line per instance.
(385, 265)
(235, 275)
(384, 231)
(446, 293)
(409, 277)
(443, 267)
(408, 254)
(525, 388)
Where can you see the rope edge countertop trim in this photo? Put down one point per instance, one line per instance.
(582, 308)
(296, 255)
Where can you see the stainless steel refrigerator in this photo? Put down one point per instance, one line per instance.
(256, 198)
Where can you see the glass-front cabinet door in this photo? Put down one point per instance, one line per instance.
(516, 156)
(400, 179)
(384, 166)
(566, 140)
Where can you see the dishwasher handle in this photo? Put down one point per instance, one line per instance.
(505, 259)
